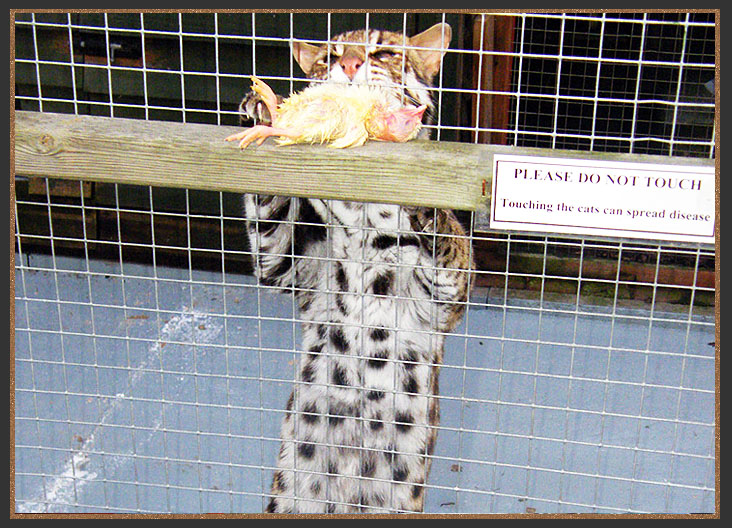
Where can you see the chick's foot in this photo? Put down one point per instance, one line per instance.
(259, 133)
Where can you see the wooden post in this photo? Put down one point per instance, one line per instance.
(492, 33)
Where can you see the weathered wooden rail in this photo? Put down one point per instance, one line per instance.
(196, 156)
(114, 150)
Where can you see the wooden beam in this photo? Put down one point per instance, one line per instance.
(196, 156)
(129, 151)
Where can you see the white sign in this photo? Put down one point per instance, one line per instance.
(604, 198)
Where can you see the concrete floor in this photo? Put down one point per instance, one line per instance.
(166, 396)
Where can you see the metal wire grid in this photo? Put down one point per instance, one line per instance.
(574, 74)
(620, 77)
(124, 382)
(125, 385)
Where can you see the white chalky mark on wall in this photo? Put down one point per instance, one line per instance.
(63, 489)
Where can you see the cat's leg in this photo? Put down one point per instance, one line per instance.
(286, 237)
(445, 260)
(302, 481)
(271, 230)
(299, 483)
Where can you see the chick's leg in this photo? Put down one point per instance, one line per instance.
(259, 133)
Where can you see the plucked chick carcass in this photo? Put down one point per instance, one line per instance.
(340, 115)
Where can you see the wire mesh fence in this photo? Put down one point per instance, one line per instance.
(153, 369)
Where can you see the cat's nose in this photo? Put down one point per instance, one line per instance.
(350, 65)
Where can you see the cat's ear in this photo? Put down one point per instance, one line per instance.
(438, 38)
(305, 54)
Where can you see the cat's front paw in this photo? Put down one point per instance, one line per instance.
(253, 109)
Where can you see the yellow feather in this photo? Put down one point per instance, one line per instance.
(340, 115)
(330, 113)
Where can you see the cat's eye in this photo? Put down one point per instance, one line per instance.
(382, 54)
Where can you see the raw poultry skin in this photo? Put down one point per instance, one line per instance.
(340, 115)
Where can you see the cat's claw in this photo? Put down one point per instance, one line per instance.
(259, 104)
(252, 108)
(268, 96)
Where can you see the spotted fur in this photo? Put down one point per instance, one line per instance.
(377, 287)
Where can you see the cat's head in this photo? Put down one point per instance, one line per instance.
(386, 58)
